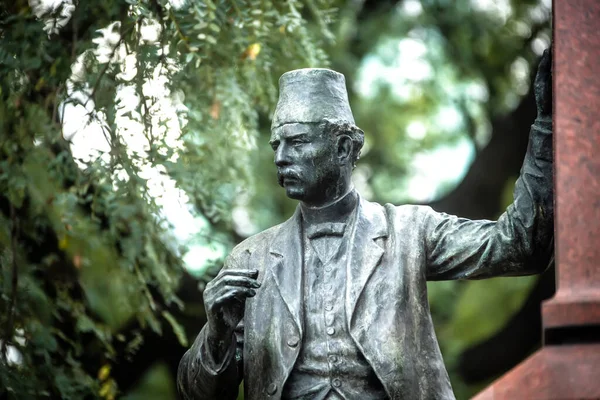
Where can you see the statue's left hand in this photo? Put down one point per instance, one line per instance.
(543, 85)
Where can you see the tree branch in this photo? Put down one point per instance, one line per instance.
(105, 67)
(14, 232)
(479, 194)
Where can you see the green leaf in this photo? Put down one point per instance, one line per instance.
(177, 328)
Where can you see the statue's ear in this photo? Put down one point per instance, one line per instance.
(344, 148)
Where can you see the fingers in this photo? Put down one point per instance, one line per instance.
(224, 297)
(238, 277)
(250, 273)
(543, 84)
(239, 293)
(546, 60)
(228, 280)
(232, 280)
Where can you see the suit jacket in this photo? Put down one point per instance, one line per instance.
(394, 251)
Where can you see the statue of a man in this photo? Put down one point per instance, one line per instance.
(332, 304)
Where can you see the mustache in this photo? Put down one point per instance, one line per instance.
(287, 173)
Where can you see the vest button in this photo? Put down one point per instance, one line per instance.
(337, 383)
(293, 341)
(330, 331)
(272, 389)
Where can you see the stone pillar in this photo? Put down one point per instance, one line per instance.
(568, 364)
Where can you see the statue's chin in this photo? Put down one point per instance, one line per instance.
(295, 193)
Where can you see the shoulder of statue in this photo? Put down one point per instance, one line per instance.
(406, 209)
(257, 241)
(411, 216)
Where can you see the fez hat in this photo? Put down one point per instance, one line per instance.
(312, 95)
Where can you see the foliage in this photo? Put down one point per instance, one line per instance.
(180, 93)
(87, 261)
(471, 63)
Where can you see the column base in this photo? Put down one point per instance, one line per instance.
(554, 372)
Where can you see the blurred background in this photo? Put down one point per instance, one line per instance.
(134, 156)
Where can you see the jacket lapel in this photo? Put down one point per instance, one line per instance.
(365, 253)
(286, 267)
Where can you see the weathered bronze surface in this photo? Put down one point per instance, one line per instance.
(332, 304)
(568, 366)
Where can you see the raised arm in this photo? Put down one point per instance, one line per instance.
(212, 368)
(521, 241)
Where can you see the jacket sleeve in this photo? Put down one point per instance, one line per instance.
(200, 377)
(519, 243)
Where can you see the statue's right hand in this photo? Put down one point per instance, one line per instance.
(225, 298)
(543, 85)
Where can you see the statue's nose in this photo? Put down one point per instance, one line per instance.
(282, 157)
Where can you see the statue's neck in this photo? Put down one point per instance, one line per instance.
(335, 211)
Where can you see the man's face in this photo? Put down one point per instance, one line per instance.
(306, 160)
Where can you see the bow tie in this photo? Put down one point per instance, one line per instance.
(326, 229)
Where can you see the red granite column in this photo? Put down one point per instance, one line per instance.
(568, 365)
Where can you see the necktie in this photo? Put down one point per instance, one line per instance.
(325, 239)
(326, 229)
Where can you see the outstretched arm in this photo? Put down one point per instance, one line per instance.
(521, 241)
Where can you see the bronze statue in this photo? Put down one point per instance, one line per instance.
(332, 304)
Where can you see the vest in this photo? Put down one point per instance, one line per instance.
(330, 366)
